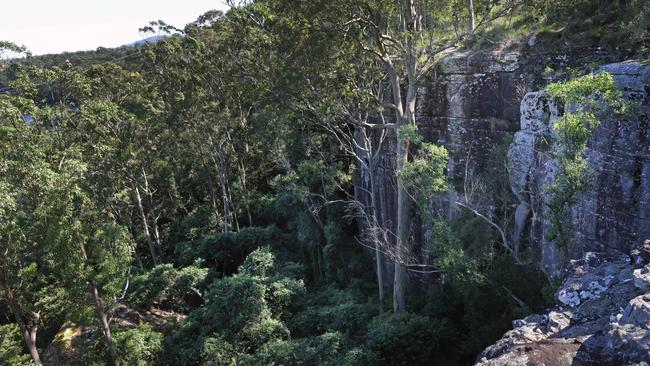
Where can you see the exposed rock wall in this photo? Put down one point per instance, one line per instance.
(482, 107)
(604, 312)
(615, 213)
(470, 105)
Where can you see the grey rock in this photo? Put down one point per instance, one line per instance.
(615, 212)
(637, 312)
(642, 278)
(606, 321)
(557, 321)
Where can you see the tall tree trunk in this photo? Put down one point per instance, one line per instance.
(399, 280)
(405, 113)
(374, 225)
(213, 194)
(403, 221)
(106, 328)
(242, 170)
(138, 260)
(379, 262)
(101, 314)
(145, 226)
(233, 210)
(29, 329)
(154, 221)
(242, 178)
(471, 20)
(219, 165)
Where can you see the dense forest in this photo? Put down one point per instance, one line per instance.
(199, 200)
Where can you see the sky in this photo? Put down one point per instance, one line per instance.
(55, 26)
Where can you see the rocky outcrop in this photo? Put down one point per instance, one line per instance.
(604, 312)
(471, 105)
(603, 319)
(616, 211)
(479, 105)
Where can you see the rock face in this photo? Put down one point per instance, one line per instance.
(603, 319)
(616, 212)
(604, 312)
(471, 105)
(481, 107)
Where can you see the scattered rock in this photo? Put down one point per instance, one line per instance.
(604, 320)
(642, 278)
(637, 312)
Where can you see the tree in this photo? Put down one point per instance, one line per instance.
(409, 37)
(80, 173)
(36, 195)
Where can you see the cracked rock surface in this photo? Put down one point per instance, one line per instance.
(603, 319)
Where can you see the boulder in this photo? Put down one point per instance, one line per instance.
(603, 320)
(642, 278)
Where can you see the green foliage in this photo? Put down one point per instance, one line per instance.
(424, 173)
(226, 251)
(588, 88)
(450, 255)
(243, 184)
(139, 346)
(410, 133)
(167, 287)
(217, 351)
(326, 349)
(585, 96)
(332, 309)
(621, 25)
(407, 339)
(261, 295)
(11, 346)
(478, 285)
(427, 171)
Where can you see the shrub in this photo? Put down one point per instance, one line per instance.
(11, 346)
(168, 287)
(332, 309)
(407, 339)
(217, 351)
(139, 346)
(349, 318)
(326, 349)
(226, 251)
(244, 309)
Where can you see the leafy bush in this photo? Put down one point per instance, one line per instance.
(407, 339)
(11, 346)
(244, 309)
(168, 287)
(226, 251)
(326, 349)
(139, 346)
(217, 351)
(348, 318)
(200, 221)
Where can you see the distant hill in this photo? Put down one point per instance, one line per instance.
(152, 39)
(127, 56)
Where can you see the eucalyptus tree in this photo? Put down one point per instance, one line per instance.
(409, 37)
(93, 253)
(218, 106)
(34, 196)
